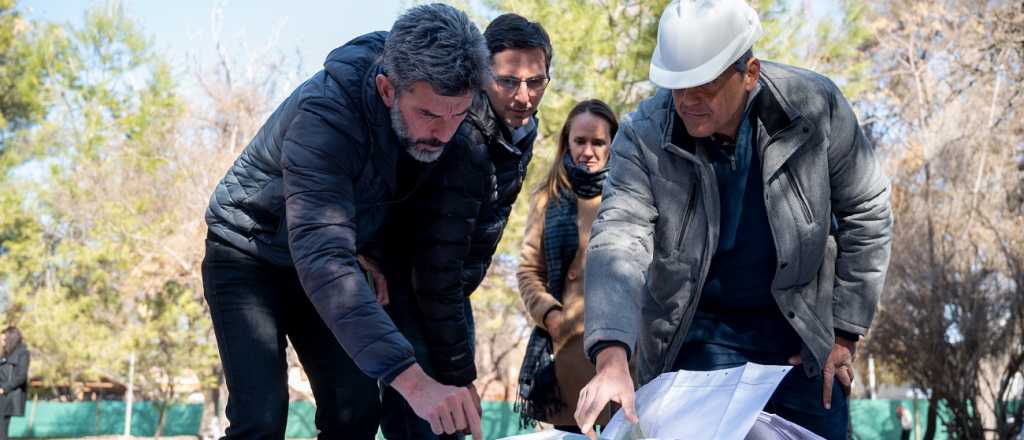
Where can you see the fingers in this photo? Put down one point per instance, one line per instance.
(435, 425)
(460, 416)
(845, 375)
(447, 422)
(475, 428)
(629, 407)
(827, 375)
(583, 416)
(382, 288)
(795, 360)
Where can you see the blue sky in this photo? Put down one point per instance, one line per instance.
(181, 27)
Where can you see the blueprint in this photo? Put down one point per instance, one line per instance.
(713, 405)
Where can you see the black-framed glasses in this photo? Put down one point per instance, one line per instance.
(511, 83)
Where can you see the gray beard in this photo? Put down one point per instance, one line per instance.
(402, 132)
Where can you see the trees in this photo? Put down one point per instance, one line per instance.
(947, 111)
(101, 259)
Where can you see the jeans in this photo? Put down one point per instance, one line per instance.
(255, 306)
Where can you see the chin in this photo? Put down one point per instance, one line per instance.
(424, 155)
(516, 122)
(698, 130)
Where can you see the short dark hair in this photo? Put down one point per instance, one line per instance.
(513, 31)
(438, 44)
(741, 63)
(13, 340)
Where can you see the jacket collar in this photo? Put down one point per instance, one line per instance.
(779, 126)
(496, 132)
(782, 130)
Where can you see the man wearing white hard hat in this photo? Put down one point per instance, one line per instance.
(745, 219)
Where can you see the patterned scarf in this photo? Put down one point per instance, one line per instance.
(539, 398)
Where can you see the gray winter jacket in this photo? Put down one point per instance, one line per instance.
(657, 226)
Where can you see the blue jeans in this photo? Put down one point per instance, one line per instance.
(255, 306)
(798, 398)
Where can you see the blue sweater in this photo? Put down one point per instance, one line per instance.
(737, 319)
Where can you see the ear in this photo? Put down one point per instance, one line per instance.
(385, 89)
(753, 74)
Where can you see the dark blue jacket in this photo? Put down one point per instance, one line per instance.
(436, 247)
(312, 187)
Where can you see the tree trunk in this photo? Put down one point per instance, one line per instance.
(161, 420)
(933, 414)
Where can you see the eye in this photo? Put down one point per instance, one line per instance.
(536, 83)
(507, 83)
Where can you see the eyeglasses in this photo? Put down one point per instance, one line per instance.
(511, 83)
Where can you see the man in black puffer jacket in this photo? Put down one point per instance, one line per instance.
(434, 249)
(312, 187)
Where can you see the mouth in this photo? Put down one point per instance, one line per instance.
(695, 114)
(429, 148)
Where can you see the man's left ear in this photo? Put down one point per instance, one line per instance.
(385, 89)
(753, 74)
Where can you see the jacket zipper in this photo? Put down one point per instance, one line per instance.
(799, 195)
(691, 206)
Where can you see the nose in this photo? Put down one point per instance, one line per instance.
(444, 129)
(522, 93)
(690, 97)
(588, 150)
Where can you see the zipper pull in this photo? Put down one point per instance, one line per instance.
(732, 161)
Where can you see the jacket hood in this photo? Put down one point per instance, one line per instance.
(355, 56)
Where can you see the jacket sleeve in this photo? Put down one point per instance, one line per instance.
(19, 377)
(508, 175)
(441, 246)
(532, 273)
(319, 168)
(860, 202)
(621, 247)
(490, 225)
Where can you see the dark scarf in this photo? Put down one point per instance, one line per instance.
(584, 183)
(538, 392)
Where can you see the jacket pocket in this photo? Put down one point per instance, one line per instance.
(818, 294)
(670, 276)
(794, 184)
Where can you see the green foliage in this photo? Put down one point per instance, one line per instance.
(30, 55)
(93, 261)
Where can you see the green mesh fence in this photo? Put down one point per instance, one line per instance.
(872, 419)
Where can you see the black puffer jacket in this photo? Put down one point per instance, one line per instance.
(454, 225)
(510, 162)
(312, 187)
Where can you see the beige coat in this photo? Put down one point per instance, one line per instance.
(572, 368)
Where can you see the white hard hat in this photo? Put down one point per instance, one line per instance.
(699, 39)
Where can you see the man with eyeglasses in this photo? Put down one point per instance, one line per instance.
(433, 250)
(745, 218)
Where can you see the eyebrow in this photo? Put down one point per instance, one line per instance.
(426, 112)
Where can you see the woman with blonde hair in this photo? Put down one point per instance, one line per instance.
(552, 263)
